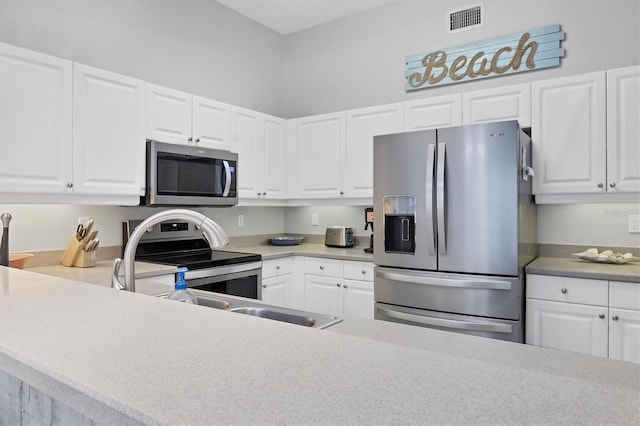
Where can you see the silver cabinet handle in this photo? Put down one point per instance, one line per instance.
(431, 235)
(600, 185)
(615, 318)
(612, 184)
(440, 199)
(601, 316)
(441, 322)
(446, 282)
(563, 290)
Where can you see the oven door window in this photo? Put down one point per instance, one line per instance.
(240, 284)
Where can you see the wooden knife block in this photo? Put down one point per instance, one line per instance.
(74, 254)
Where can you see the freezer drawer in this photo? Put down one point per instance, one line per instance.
(478, 326)
(476, 295)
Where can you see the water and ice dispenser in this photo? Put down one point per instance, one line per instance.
(399, 223)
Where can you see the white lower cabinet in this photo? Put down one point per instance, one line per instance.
(339, 287)
(594, 317)
(277, 281)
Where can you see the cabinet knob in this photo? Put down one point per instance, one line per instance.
(264, 193)
(364, 272)
(190, 139)
(321, 267)
(197, 140)
(345, 286)
(612, 184)
(264, 286)
(277, 267)
(563, 290)
(338, 285)
(341, 192)
(69, 184)
(601, 185)
(601, 316)
(615, 318)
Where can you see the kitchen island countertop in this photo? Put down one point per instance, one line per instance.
(119, 357)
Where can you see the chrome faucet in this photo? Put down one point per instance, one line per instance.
(213, 233)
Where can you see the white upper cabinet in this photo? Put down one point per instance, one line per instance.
(259, 140)
(36, 130)
(108, 132)
(211, 124)
(433, 113)
(569, 134)
(498, 104)
(180, 118)
(321, 155)
(623, 130)
(362, 125)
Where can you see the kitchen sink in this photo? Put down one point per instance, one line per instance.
(241, 305)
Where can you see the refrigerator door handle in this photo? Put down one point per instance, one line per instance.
(431, 235)
(482, 284)
(440, 202)
(440, 322)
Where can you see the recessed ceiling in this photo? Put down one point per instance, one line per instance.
(288, 16)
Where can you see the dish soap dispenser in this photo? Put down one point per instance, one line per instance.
(182, 293)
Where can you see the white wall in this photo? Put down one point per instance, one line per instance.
(49, 227)
(197, 46)
(359, 61)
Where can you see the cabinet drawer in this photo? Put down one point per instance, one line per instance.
(362, 271)
(323, 267)
(571, 290)
(624, 295)
(276, 267)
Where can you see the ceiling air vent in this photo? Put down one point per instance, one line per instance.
(466, 18)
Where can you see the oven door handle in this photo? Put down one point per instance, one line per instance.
(446, 323)
(227, 178)
(482, 284)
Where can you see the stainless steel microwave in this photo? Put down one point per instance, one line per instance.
(187, 175)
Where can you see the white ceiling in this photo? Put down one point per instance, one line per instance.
(288, 16)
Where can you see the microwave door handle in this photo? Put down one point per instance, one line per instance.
(227, 180)
(440, 199)
(431, 235)
(447, 323)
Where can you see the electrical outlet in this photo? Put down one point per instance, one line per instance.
(82, 220)
(634, 223)
(240, 220)
(314, 219)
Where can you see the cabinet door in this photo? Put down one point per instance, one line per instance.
(211, 124)
(498, 104)
(433, 113)
(569, 134)
(36, 129)
(321, 156)
(168, 115)
(623, 128)
(276, 290)
(108, 132)
(358, 299)
(273, 160)
(323, 294)
(247, 139)
(567, 326)
(624, 335)
(362, 125)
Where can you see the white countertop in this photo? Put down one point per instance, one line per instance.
(120, 357)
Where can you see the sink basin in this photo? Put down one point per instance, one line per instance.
(256, 308)
(277, 315)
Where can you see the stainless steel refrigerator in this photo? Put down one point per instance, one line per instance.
(455, 226)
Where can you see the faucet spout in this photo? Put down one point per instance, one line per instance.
(213, 233)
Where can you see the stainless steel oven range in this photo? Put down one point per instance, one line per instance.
(179, 243)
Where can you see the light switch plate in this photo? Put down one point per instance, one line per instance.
(240, 220)
(634, 223)
(314, 219)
